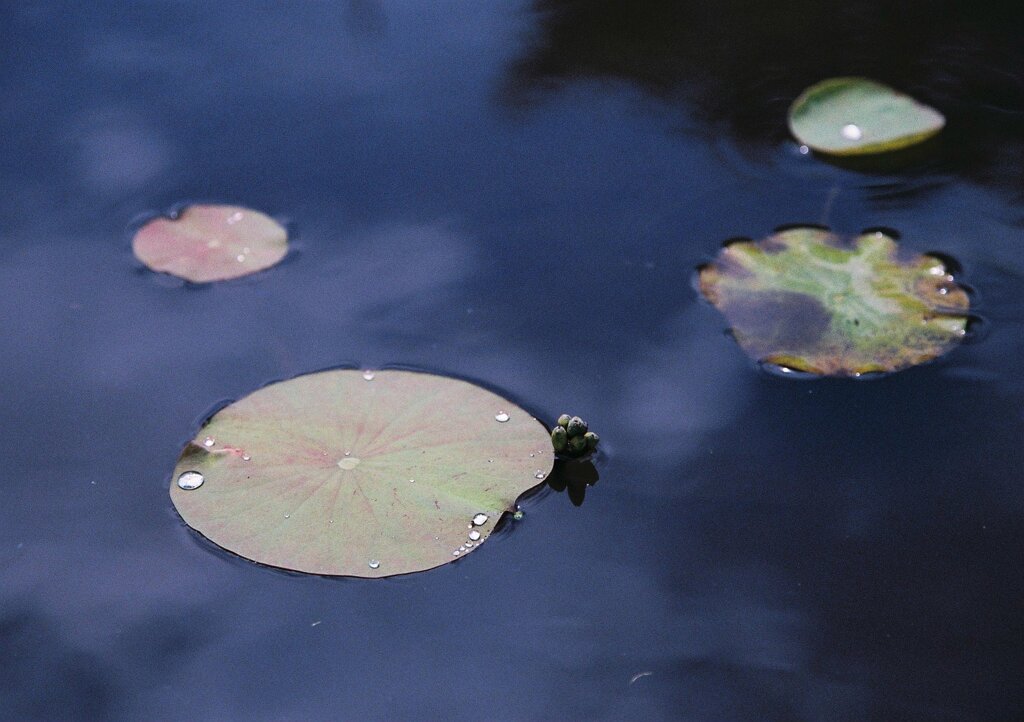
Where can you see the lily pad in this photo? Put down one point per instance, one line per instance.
(857, 116)
(358, 473)
(807, 300)
(211, 243)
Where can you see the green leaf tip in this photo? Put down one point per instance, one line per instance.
(857, 116)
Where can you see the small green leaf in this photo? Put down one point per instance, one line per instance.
(807, 300)
(369, 475)
(211, 243)
(857, 116)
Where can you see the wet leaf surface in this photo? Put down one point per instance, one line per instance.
(206, 243)
(364, 474)
(856, 116)
(808, 300)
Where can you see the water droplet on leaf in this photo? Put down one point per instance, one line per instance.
(501, 417)
(211, 243)
(190, 480)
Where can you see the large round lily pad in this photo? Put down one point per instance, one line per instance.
(857, 116)
(356, 473)
(808, 300)
(211, 243)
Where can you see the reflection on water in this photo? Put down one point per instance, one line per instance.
(766, 549)
(573, 477)
(740, 65)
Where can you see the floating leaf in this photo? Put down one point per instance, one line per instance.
(355, 473)
(807, 300)
(856, 116)
(211, 243)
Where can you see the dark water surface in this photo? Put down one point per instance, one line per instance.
(514, 193)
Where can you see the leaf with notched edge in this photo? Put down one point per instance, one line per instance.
(370, 475)
(805, 299)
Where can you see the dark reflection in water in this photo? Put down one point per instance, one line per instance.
(741, 63)
(757, 548)
(40, 657)
(888, 610)
(573, 477)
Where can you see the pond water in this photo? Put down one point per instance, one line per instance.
(514, 193)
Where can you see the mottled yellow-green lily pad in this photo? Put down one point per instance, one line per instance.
(857, 116)
(211, 243)
(806, 299)
(359, 473)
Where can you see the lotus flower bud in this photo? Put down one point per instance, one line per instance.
(576, 427)
(577, 445)
(559, 438)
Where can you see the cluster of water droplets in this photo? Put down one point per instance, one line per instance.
(474, 534)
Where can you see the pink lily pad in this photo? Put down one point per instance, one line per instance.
(211, 243)
(358, 473)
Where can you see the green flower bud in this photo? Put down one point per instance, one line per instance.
(576, 427)
(559, 438)
(592, 440)
(563, 420)
(577, 445)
